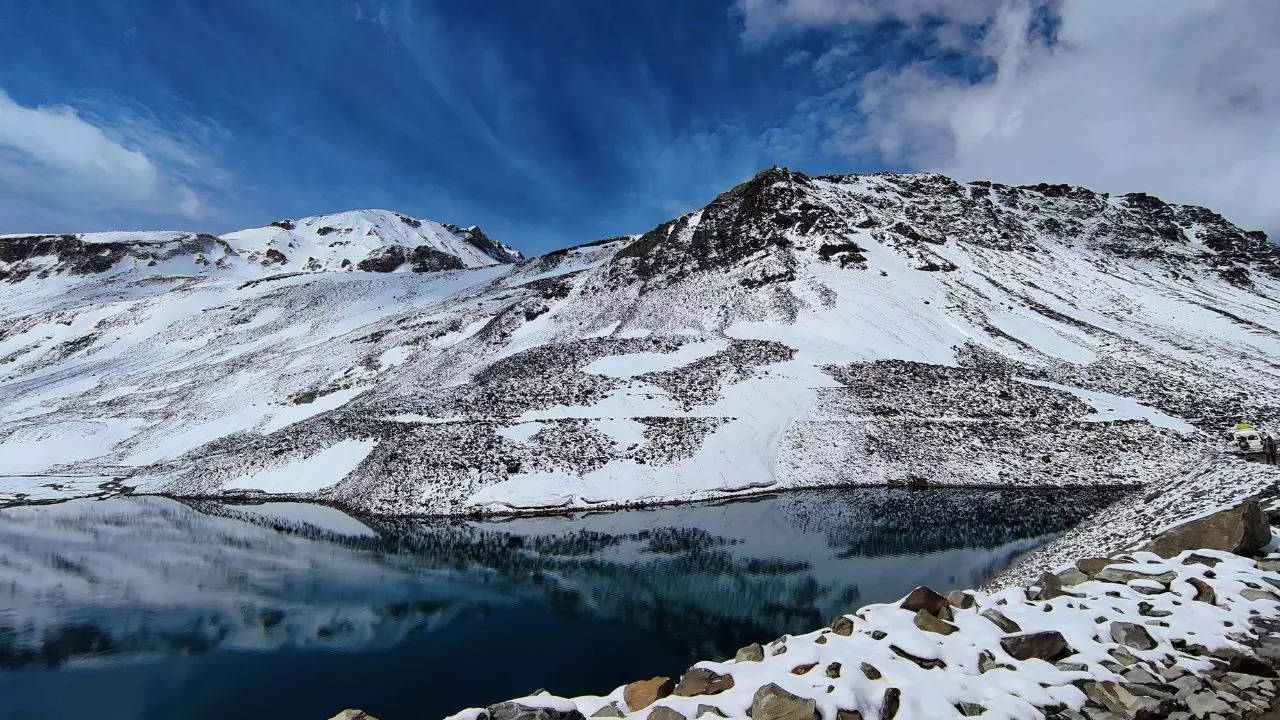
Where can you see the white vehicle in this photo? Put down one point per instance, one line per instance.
(1245, 439)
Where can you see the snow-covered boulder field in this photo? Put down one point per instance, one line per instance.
(1187, 633)
(899, 329)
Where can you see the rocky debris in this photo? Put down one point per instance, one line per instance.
(1164, 655)
(702, 681)
(518, 711)
(773, 703)
(643, 693)
(1241, 529)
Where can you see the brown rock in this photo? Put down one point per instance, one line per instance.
(773, 703)
(642, 693)
(843, 714)
(842, 625)
(961, 599)
(662, 712)
(1092, 565)
(929, 623)
(709, 710)
(922, 598)
(609, 711)
(1204, 591)
(702, 681)
(353, 714)
(802, 669)
(751, 653)
(1242, 529)
(833, 670)
(870, 671)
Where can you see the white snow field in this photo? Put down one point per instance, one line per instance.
(797, 331)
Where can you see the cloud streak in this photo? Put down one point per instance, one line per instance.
(1180, 100)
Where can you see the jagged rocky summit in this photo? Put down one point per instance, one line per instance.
(797, 331)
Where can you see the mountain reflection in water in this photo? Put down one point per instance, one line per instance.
(148, 607)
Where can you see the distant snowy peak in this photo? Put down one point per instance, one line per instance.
(371, 240)
(367, 240)
(179, 253)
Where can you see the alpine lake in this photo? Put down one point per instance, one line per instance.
(147, 607)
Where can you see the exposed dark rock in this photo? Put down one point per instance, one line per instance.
(1047, 645)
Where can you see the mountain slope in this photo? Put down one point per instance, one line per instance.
(797, 331)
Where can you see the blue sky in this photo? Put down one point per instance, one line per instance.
(555, 123)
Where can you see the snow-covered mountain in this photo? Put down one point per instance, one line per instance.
(369, 240)
(797, 331)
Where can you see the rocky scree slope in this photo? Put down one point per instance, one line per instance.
(797, 331)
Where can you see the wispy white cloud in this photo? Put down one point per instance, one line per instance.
(1177, 99)
(60, 163)
(763, 19)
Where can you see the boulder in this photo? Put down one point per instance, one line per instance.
(889, 706)
(1133, 635)
(642, 693)
(961, 599)
(353, 714)
(1072, 576)
(1002, 622)
(842, 714)
(702, 681)
(1242, 529)
(870, 671)
(751, 653)
(709, 710)
(929, 623)
(1093, 565)
(923, 598)
(1123, 576)
(802, 669)
(609, 711)
(833, 670)
(1203, 591)
(515, 711)
(1048, 645)
(842, 625)
(662, 712)
(773, 703)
